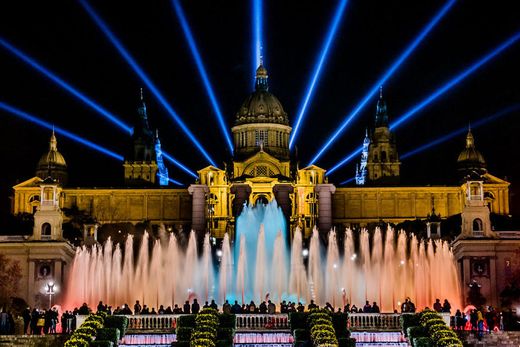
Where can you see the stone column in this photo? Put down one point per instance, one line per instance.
(198, 207)
(325, 192)
(241, 192)
(30, 283)
(283, 198)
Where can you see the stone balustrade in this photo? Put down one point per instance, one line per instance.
(152, 322)
(279, 321)
(381, 321)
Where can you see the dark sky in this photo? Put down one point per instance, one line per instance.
(372, 33)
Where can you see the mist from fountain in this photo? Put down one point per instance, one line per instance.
(383, 266)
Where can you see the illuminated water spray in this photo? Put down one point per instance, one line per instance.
(144, 77)
(202, 71)
(317, 69)
(437, 93)
(388, 73)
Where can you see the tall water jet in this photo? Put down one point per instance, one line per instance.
(206, 267)
(298, 276)
(279, 268)
(332, 272)
(261, 267)
(349, 271)
(241, 269)
(315, 267)
(225, 270)
(189, 278)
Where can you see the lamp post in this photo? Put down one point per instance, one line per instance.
(50, 292)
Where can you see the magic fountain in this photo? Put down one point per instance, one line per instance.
(382, 266)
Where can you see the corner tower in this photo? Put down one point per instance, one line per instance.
(141, 166)
(52, 164)
(383, 161)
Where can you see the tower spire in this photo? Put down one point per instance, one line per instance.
(261, 78)
(381, 112)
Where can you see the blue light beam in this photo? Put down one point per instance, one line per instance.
(179, 164)
(461, 131)
(258, 39)
(146, 80)
(202, 71)
(69, 88)
(174, 181)
(33, 119)
(395, 65)
(447, 86)
(456, 80)
(317, 69)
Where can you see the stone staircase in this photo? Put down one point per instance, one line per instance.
(495, 339)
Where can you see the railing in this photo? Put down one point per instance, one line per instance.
(374, 321)
(278, 321)
(152, 322)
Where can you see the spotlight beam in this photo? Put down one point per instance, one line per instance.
(174, 181)
(395, 65)
(456, 80)
(317, 69)
(69, 88)
(202, 71)
(146, 80)
(460, 131)
(35, 120)
(179, 164)
(439, 92)
(258, 40)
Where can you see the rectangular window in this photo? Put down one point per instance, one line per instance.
(261, 137)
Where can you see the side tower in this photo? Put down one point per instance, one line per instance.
(383, 161)
(141, 166)
(52, 164)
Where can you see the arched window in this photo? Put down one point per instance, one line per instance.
(262, 199)
(46, 231)
(477, 224)
(383, 156)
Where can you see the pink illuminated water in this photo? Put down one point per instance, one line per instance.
(383, 266)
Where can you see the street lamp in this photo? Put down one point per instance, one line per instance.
(50, 292)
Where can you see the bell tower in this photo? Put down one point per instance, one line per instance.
(48, 218)
(383, 161)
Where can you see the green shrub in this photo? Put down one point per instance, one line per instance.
(298, 320)
(83, 336)
(433, 321)
(225, 334)
(449, 342)
(224, 343)
(422, 342)
(76, 342)
(108, 334)
(202, 343)
(339, 321)
(87, 330)
(227, 320)
(443, 333)
(184, 333)
(417, 331)
(408, 320)
(119, 322)
(301, 335)
(102, 344)
(186, 321)
(93, 324)
(346, 342)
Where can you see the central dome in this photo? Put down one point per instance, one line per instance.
(261, 106)
(52, 163)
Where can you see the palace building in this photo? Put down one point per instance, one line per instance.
(261, 170)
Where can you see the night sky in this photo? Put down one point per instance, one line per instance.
(62, 37)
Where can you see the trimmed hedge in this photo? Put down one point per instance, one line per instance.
(227, 320)
(413, 332)
(346, 342)
(339, 321)
(408, 320)
(108, 334)
(186, 321)
(119, 322)
(322, 330)
(184, 333)
(298, 320)
(301, 335)
(102, 344)
(422, 342)
(438, 331)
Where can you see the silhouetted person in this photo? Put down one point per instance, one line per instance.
(271, 307)
(375, 308)
(26, 315)
(262, 308)
(226, 308)
(137, 307)
(300, 307)
(367, 308)
(437, 306)
(312, 305)
(446, 306)
(195, 307)
(145, 310)
(161, 310)
(186, 307)
(213, 305)
(235, 309)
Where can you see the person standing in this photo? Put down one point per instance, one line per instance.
(26, 315)
(195, 307)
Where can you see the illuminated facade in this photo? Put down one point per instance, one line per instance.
(262, 170)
